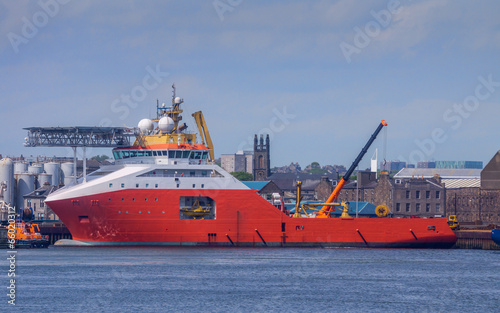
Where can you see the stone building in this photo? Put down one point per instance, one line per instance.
(324, 188)
(261, 159)
(419, 197)
(264, 188)
(241, 161)
(425, 197)
(36, 202)
(288, 183)
(480, 203)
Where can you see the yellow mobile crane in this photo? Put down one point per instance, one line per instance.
(204, 134)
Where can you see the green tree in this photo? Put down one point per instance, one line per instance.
(100, 158)
(318, 171)
(242, 176)
(315, 165)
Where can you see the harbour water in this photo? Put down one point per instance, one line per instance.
(66, 279)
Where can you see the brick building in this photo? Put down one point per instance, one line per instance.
(425, 197)
(478, 204)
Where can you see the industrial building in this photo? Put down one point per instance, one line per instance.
(26, 182)
(241, 161)
(451, 164)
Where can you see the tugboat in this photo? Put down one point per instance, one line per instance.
(27, 235)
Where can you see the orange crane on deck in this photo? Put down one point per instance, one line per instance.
(326, 209)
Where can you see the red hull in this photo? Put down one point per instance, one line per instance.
(243, 218)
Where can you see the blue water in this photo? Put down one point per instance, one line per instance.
(65, 279)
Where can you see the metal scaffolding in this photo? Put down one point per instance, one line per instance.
(99, 137)
(77, 136)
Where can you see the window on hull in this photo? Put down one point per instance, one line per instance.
(197, 208)
(181, 173)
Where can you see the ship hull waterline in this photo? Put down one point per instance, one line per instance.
(145, 217)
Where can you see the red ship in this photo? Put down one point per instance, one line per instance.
(166, 190)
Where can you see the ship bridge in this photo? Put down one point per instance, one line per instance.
(78, 136)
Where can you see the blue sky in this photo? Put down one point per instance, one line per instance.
(318, 75)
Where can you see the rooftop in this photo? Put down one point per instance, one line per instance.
(443, 172)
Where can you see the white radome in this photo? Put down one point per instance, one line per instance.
(166, 124)
(177, 100)
(146, 125)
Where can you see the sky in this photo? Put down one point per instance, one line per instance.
(318, 76)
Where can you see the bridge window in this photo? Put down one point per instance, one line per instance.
(154, 153)
(185, 154)
(171, 154)
(125, 154)
(164, 152)
(205, 155)
(178, 154)
(117, 155)
(197, 155)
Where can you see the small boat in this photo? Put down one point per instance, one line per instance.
(196, 211)
(495, 236)
(27, 235)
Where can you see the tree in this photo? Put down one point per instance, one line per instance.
(318, 171)
(242, 176)
(100, 158)
(315, 165)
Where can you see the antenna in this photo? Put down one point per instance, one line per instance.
(374, 163)
(173, 94)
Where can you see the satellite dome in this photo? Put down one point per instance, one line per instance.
(145, 125)
(166, 124)
(177, 100)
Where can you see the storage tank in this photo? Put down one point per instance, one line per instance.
(35, 169)
(53, 169)
(20, 167)
(44, 179)
(69, 180)
(67, 170)
(7, 180)
(25, 185)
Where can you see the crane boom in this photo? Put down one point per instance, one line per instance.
(204, 134)
(325, 210)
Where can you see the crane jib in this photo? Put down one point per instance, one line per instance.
(349, 172)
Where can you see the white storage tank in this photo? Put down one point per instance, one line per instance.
(25, 185)
(7, 180)
(44, 179)
(20, 167)
(67, 170)
(69, 180)
(35, 169)
(53, 169)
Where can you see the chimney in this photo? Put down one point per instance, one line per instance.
(437, 178)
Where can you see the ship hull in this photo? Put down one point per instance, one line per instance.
(148, 217)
